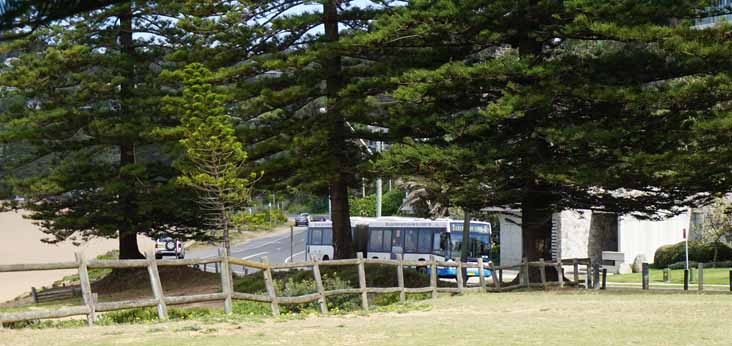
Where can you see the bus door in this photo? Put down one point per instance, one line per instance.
(397, 242)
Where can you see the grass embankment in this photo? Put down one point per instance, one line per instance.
(712, 276)
(525, 318)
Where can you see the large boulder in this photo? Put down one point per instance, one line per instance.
(624, 268)
(638, 263)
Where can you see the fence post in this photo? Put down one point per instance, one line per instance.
(644, 268)
(575, 267)
(542, 273)
(433, 276)
(319, 286)
(500, 277)
(701, 276)
(560, 273)
(604, 279)
(494, 275)
(226, 281)
(730, 280)
(596, 276)
(525, 271)
(481, 275)
(156, 285)
(667, 275)
(400, 279)
(362, 282)
(588, 275)
(34, 294)
(86, 291)
(459, 275)
(686, 279)
(270, 287)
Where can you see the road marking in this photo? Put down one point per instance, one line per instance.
(295, 255)
(255, 255)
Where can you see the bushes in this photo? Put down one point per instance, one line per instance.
(301, 282)
(698, 252)
(693, 264)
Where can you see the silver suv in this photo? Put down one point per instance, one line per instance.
(167, 246)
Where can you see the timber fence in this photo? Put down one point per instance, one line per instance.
(91, 306)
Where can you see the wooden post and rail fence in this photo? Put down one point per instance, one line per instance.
(92, 307)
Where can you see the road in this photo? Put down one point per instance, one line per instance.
(276, 247)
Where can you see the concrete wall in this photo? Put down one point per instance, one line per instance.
(644, 236)
(575, 231)
(511, 244)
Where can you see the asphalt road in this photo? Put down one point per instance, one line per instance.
(275, 247)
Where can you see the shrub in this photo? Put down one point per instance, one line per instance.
(698, 252)
(693, 264)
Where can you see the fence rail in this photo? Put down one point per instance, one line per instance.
(227, 294)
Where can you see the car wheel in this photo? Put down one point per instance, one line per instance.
(325, 258)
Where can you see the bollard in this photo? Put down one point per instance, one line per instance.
(691, 275)
(730, 280)
(596, 276)
(645, 275)
(667, 275)
(686, 279)
(604, 278)
(701, 277)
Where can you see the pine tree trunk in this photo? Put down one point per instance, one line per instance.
(337, 146)
(342, 237)
(536, 229)
(128, 248)
(464, 251)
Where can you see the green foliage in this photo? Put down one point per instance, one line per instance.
(390, 204)
(214, 157)
(298, 282)
(549, 105)
(698, 252)
(694, 264)
(91, 97)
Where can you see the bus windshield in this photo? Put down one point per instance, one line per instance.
(479, 245)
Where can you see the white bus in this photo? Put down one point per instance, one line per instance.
(416, 239)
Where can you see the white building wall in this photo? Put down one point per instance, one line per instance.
(636, 237)
(511, 244)
(575, 230)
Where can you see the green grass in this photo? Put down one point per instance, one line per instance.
(719, 276)
(606, 318)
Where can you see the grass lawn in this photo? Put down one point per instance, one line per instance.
(521, 318)
(719, 276)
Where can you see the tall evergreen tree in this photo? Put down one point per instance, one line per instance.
(92, 97)
(581, 104)
(287, 86)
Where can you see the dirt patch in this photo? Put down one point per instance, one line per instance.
(135, 283)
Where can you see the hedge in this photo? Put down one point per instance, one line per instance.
(692, 264)
(698, 252)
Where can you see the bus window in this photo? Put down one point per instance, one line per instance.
(376, 240)
(480, 245)
(327, 236)
(387, 241)
(316, 236)
(411, 239)
(380, 240)
(425, 241)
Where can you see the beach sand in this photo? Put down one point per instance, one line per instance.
(20, 243)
